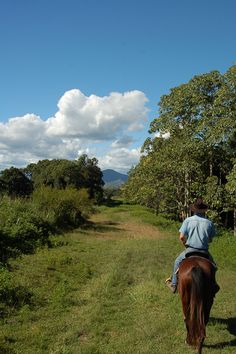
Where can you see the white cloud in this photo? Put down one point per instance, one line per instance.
(21, 131)
(81, 124)
(122, 142)
(97, 117)
(135, 127)
(120, 159)
(162, 135)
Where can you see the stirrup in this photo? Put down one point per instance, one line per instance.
(171, 286)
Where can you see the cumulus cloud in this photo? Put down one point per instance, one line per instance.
(80, 122)
(121, 159)
(97, 117)
(122, 142)
(20, 131)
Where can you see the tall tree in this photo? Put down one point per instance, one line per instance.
(57, 173)
(61, 173)
(15, 183)
(231, 187)
(190, 151)
(92, 175)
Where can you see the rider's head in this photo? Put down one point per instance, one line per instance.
(199, 207)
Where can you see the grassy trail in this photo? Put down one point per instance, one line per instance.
(101, 290)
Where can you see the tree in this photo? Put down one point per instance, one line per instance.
(231, 188)
(62, 173)
(57, 173)
(191, 147)
(16, 183)
(3, 186)
(92, 175)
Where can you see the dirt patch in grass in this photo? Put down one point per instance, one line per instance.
(106, 228)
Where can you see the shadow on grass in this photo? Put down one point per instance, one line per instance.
(5, 344)
(103, 227)
(230, 324)
(111, 203)
(4, 350)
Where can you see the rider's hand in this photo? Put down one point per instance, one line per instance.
(182, 238)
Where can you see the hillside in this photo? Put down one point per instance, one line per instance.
(113, 178)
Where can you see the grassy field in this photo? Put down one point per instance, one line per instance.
(101, 289)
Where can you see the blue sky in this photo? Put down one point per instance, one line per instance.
(86, 76)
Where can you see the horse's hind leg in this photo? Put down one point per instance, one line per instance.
(200, 346)
(187, 340)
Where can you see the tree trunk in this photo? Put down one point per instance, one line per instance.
(186, 195)
(211, 163)
(234, 221)
(211, 169)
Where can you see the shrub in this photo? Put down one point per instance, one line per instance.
(6, 248)
(22, 228)
(63, 207)
(28, 223)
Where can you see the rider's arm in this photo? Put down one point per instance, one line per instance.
(182, 238)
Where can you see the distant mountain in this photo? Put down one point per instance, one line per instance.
(113, 178)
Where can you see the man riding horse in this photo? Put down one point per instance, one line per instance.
(196, 233)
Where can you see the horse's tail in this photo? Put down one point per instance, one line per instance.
(197, 327)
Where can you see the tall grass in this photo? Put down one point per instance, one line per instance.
(101, 289)
(26, 224)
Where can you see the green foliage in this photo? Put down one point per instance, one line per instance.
(104, 292)
(55, 173)
(22, 229)
(191, 150)
(92, 176)
(15, 183)
(231, 184)
(26, 224)
(109, 195)
(149, 217)
(63, 207)
(61, 174)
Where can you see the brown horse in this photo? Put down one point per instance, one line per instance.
(197, 288)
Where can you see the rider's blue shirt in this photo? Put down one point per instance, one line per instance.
(197, 230)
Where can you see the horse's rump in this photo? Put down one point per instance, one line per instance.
(196, 289)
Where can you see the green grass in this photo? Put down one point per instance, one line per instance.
(101, 290)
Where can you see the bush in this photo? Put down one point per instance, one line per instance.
(6, 248)
(63, 207)
(22, 228)
(27, 223)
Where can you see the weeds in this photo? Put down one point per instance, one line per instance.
(102, 290)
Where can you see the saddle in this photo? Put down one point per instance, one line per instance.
(202, 254)
(198, 253)
(205, 255)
